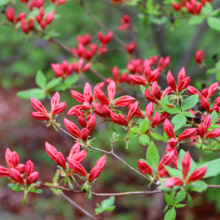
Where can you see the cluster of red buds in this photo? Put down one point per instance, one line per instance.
(197, 174)
(16, 170)
(65, 69)
(43, 20)
(192, 6)
(125, 23)
(104, 39)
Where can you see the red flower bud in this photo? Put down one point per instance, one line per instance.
(212, 89)
(87, 93)
(32, 178)
(193, 91)
(29, 168)
(77, 167)
(100, 95)
(124, 101)
(4, 172)
(156, 90)
(91, 123)
(49, 17)
(168, 128)
(197, 174)
(186, 162)
(138, 80)
(132, 111)
(57, 107)
(176, 6)
(173, 181)
(130, 47)
(205, 104)
(97, 169)
(144, 167)
(72, 128)
(81, 118)
(213, 134)
(187, 134)
(16, 176)
(171, 81)
(51, 151)
(181, 76)
(61, 160)
(166, 160)
(84, 134)
(149, 96)
(111, 91)
(154, 76)
(149, 110)
(115, 73)
(118, 119)
(184, 84)
(199, 56)
(10, 15)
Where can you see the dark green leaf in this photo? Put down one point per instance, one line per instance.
(180, 196)
(168, 199)
(189, 200)
(170, 214)
(180, 205)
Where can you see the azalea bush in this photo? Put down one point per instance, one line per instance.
(141, 103)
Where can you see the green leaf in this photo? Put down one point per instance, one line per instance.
(35, 93)
(54, 82)
(190, 102)
(180, 196)
(109, 208)
(17, 189)
(211, 71)
(108, 202)
(213, 168)
(71, 80)
(214, 117)
(189, 200)
(179, 165)
(40, 79)
(4, 2)
(180, 205)
(11, 185)
(38, 191)
(173, 110)
(179, 121)
(166, 207)
(152, 155)
(214, 13)
(188, 114)
(157, 136)
(170, 214)
(144, 139)
(214, 23)
(144, 125)
(71, 186)
(198, 186)
(207, 8)
(196, 19)
(173, 172)
(135, 130)
(142, 88)
(168, 199)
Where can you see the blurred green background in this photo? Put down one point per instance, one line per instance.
(21, 57)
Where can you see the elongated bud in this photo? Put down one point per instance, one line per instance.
(32, 178)
(10, 15)
(186, 162)
(49, 17)
(91, 123)
(176, 6)
(72, 128)
(156, 90)
(132, 111)
(173, 181)
(149, 110)
(130, 47)
(77, 96)
(147, 71)
(208, 121)
(172, 142)
(80, 156)
(84, 134)
(201, 130)
(187, 134)
(29, 168)
(205, 104)
(181, 75)
(20, 168)
(193, 91)
(87, 93)
(149, 96)
(197, 174)
(118, 119)
(199, 56)
(51, 151)
(212, 89)
(124, 101)
(81, 118)
(37, 105)
(59, 108)
(171, 81)
(115, 73)
(167, 91)
(55, 100)
(16, 176)
(4, 172)
(154, 76)
(144, 167)
(97, 169)
(100, 95)
(77, 167)
(184, 84)
(213, 134)
(61, 160)
(166, 160)
(168, 128)
(111, 91)
(138, 80)
(40, 116)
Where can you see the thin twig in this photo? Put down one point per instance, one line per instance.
(78, 207)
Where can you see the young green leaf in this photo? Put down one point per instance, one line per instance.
(144, 139)
(179, 121)
(180, 196)
(157, 136)
(189, 200)
(198, 186)
(144, 125)
(173, 172)
(214, 117)
(190, 102)
(196, 19)
(168, 199)
(214, 23)
(152, 155)
(213, 168)
(35, 93)
(40, 79)
(170, 214)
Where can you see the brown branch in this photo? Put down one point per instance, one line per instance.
(101, 194)
(214, 186)
(79, 207)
